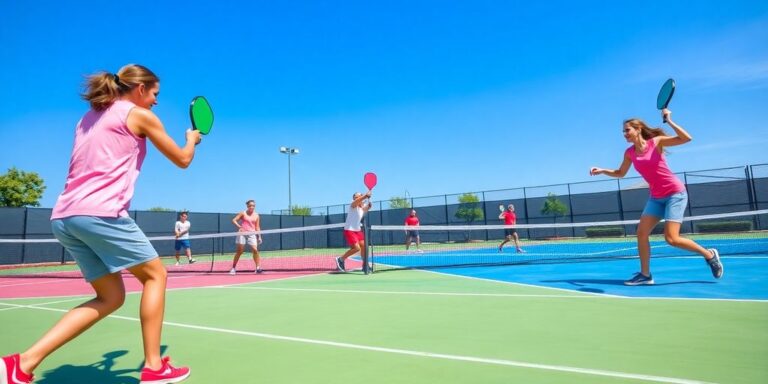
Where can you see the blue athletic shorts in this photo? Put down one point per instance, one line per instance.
(183, 243)
(103, 245)
(670, 208)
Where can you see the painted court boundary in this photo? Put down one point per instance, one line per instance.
(510, 363)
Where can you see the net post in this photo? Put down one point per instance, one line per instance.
(366, 256)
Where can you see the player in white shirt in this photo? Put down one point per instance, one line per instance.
(182, 237)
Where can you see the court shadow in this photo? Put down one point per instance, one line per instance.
(579, 282)
(98, 372)
(685, 282)
(591, 290)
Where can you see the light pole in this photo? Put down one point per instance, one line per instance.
(289, 151)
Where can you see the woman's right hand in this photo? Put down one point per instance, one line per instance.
(194, 136)
(594, 171)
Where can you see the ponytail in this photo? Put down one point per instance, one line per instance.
(104, 88)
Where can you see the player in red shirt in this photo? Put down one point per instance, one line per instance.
(510, 233)
(412, 234)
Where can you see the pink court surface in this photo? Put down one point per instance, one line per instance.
(70, 283)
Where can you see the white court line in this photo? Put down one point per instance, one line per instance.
(603, 295)
(408, 293)
(53, 281)
(16, 306)
(471, 359)
(510, 295)
(167, 289)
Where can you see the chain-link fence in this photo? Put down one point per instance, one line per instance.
(711, 191)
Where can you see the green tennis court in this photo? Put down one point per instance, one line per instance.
(410, 326)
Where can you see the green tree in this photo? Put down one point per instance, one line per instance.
(161, 209)
(553, 206)
(21, 189)
(301, 210)
(469, 210)
(397, 202)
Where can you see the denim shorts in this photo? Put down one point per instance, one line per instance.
(670, 208)
(103, 245)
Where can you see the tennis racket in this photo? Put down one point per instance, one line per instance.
(501, 207)
(201, 114)
(370, 180)
(665, 95)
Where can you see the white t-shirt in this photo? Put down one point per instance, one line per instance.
(354, 217)
(183, 227)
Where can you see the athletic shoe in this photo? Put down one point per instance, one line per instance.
(192, 261)
(11, 373)
(340, 264)
(640, 279)
(419, 251)
(715, 264)
(177, 264)
(167, 374)
(232, 272)
(259, 270)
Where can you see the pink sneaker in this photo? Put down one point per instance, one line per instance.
(10, 371)
(165, 375)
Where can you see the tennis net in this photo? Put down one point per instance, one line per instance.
(737, 233)
(308, 248)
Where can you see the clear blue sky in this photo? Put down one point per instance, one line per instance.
(435, 97)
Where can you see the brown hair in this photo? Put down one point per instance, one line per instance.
(250, 201)
(103, 88)
(645, 131)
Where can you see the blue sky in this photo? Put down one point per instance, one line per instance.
(434, 96)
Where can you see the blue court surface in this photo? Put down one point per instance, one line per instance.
(602, 267)
(745, 278)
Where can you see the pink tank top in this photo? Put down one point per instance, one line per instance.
(106, 160)
(248, 223)
(653, 167)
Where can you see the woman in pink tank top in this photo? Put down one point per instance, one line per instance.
(91, 219)
(668, 197)
(247, 221)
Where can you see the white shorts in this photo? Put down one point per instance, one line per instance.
(249, 239)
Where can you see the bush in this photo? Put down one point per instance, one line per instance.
(724, 226)
(605, 231)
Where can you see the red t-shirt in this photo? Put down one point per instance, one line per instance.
(412, 220)
(509, 218)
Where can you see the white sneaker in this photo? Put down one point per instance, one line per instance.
(192, 261)
(419, 251)
(232, 272)
(177, 264)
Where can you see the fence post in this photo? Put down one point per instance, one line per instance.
(525, 209)
(280, 225)
(24, 235)
(690, 200)
(750, 189)
(570, 209)
(621, 205)
(751, 192)
(485, 210)
(445, 197)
